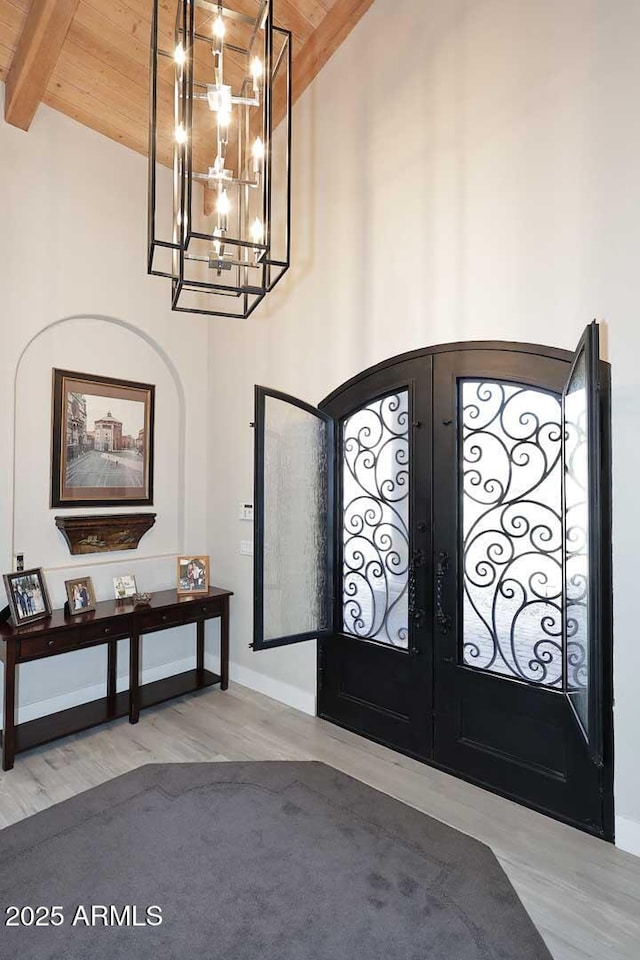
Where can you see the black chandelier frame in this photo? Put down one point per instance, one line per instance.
(171, 252)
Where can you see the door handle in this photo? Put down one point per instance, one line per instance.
(417, 614)
(443, 619)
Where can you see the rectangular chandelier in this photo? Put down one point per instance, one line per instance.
(220, 117)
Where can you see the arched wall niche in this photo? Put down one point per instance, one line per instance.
(104, 346)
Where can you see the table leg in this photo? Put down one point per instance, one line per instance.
(224, 645)
(112, 671)
(200, 650)
(134, 677)
(9, 731)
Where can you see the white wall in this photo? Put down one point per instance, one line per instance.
(464, 169)
(75, 294)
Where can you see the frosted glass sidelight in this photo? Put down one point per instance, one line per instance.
(576, 479)
(296, 581)
(375, 521)
(512, 541)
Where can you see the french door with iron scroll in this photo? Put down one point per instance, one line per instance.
(440, 524)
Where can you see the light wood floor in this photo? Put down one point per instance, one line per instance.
(583, 894)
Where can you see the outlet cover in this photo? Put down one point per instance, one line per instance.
(246, 548)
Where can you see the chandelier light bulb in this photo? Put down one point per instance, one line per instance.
(224, 205)
(258, 154)
(257, 231)
(219, 28)
(179, 55)
(256, 69)
(181, 134)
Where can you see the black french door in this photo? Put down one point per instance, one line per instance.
(343, 538)
(520, 529)
(441, 525)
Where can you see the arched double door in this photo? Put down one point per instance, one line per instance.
(441, 524)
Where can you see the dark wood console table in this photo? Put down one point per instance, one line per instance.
(111, 621)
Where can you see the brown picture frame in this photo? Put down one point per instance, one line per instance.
(81, 596)
(27, 595)
(107, 454)
(185, 576)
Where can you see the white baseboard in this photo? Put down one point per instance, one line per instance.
(42, 708)
(628, 835)
(284, 692)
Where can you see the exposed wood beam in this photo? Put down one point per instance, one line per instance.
(36, 55)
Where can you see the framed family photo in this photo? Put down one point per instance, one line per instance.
(193, 575)
(27, 595)
(102, 441)
(80, 594)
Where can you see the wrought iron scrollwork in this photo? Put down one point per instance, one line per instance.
(375, 516)
(512, 531)
(442, 619)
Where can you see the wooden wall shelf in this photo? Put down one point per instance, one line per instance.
(102, 534)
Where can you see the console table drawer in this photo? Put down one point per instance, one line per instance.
(156, 619)
(209, 608)
(95, 632)
(62, 642)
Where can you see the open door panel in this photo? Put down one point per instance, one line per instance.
(583, 542)
(293, 534)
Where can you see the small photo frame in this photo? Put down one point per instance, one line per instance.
(80, 594)
(27, 595)
(124, 587)
(193, 575)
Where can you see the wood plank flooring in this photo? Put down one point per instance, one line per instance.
(583, 894)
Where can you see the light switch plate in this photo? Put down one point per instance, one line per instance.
(246, 511)
(246, 548)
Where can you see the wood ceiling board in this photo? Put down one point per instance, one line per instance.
(102, 79)
(116, 41)
(110, 90)
(82, 111)
(6, 56)
(287, 13)
(11, 22)
(41, 40)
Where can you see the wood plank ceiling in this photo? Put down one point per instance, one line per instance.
(89, 59)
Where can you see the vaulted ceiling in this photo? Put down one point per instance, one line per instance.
(90, 58)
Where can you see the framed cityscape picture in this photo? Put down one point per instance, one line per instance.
(102, 441)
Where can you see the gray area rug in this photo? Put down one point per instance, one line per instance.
(255, 861)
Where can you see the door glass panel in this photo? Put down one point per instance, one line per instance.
(577, 540)
(375, 521)
(512, 543)
(296, 577)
